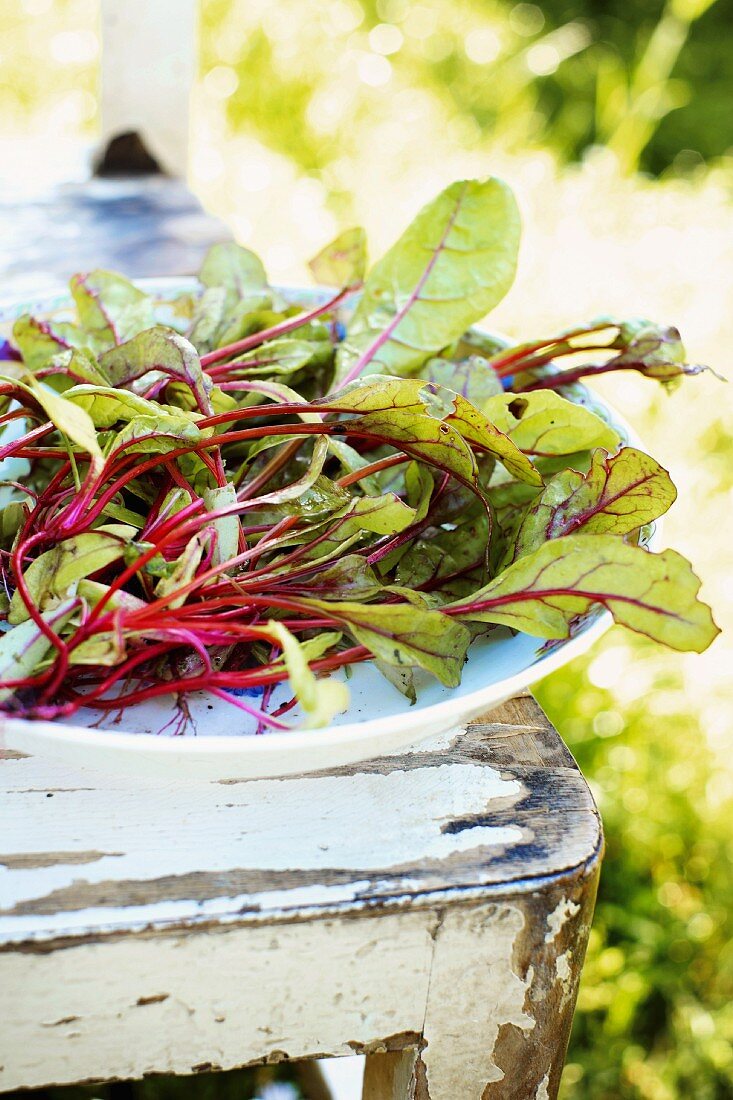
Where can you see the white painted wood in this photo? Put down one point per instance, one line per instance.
(148, 68)
(436, 900)
(103, 829)
(473, 991)
(173, 1002)
(180, 1001)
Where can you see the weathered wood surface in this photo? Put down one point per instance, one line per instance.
(437, 899)
(141, 226)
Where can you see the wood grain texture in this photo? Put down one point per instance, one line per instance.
(89, 853)
(147, 226)
(390, 1076)
(437, 899)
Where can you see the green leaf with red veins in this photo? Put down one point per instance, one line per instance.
(210, 318)
(404, 635)
(386, 514)
(111, 309)
(655, 350)
(423, 437)
(350, 578)
(440, 552)
(235, 285)
(453, 264)
(618, 495)
(24, 647)
(39, 341)
(107, 406)
(544, 592)
(155, 435)
(544, 423)
(343, 261)
(472, 378)
(276, 357)
(54, 574)
(478, 429)
(80, 366)
(402, 401)
(156, 353)
(236, 269)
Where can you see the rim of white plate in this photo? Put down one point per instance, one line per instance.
(317, 739)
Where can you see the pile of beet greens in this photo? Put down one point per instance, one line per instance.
(287, 490)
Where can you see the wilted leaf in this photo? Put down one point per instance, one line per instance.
(320, 699)
(105, 647)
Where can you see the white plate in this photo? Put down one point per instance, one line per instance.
(379, 720)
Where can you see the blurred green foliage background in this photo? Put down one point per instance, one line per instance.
(613, 122)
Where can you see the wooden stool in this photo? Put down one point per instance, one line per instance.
(430, 910)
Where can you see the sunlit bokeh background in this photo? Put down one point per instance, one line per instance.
(614, 123)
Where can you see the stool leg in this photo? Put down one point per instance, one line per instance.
(311, 1081)
(390, 1076)
(503, 985)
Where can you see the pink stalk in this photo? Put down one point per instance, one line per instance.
(263, 718)
(280, 329)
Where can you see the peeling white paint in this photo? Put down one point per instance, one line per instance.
(158, 914)
(564, 975)
(543, 1089)
(308, 987)
(561, 914)
(474, 990)
(562, 966)
(309, 823)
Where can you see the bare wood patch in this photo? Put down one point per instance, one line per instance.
(24, 861)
